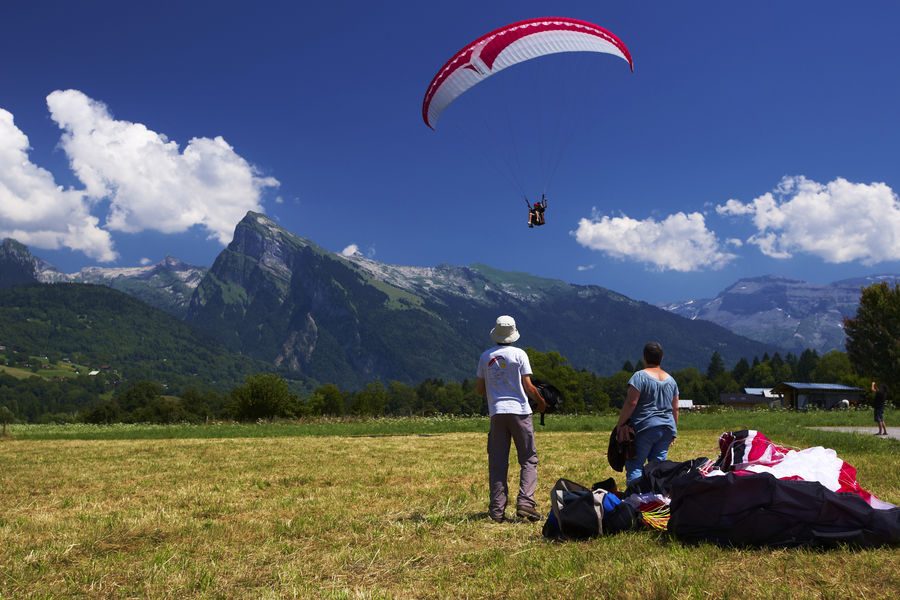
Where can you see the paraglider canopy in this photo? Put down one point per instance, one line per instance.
(511, 45)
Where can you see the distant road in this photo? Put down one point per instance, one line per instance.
(893, 432)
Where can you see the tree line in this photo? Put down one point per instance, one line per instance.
(873, 343)
(103, 399)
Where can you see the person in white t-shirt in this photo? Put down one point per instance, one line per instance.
(504, 378)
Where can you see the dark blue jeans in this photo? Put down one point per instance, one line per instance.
(649, 445)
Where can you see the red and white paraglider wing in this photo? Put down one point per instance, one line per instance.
(512, 45)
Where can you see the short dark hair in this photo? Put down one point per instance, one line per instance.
(653, 353)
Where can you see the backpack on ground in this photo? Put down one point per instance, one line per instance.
(575, 512)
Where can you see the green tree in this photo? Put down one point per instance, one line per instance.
(761, 376)
(428, 396)
(724, 382)
(202, 405)
(835, 367)
(592, 390)
(806, 365)
(716, 365)
(162, 409)
(103, 412)
(6, 417)
(327, 400)
(137, 396)
(615, 387)
(263, 396)
(873, 335)
(740, 371)
(472, 403)
(694, 385)
(401, 398)
(369, 401)
(790, 361)
(450, 398)
(579, 393)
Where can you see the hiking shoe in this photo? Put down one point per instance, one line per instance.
(500, 519)
(527, 512)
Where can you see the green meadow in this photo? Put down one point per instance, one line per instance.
(385, 508)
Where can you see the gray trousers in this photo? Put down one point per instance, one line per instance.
(520, 430)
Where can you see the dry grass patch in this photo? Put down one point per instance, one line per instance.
(361, 517)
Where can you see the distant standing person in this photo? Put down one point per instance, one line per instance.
(504, 378)
(651, 407)
(879, 403)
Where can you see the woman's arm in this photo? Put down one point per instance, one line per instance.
(631, 400)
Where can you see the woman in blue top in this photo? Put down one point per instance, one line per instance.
(651, 407)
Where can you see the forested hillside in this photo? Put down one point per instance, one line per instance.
(111, 331)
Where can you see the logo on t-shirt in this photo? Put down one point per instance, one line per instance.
(498, 362)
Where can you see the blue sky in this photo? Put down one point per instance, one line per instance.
(752, 138)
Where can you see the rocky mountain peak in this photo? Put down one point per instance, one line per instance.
(17, 265)
(170, 262)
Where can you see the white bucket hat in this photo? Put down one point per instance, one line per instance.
(505, 332)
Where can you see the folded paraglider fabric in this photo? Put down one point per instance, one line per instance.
(760, 510)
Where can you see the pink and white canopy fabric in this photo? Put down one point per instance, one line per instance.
(512, 45)
(750, 451)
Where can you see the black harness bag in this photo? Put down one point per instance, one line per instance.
(759, 510)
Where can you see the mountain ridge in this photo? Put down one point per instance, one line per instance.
(282, 298)
(798, 313)
(168, 284)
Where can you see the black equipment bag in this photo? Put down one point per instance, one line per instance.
(575, 512)
(551, 395)
(657, 476)
(760, 510)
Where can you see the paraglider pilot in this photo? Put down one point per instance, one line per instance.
(536, 212)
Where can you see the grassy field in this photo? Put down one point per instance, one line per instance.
(377, 509)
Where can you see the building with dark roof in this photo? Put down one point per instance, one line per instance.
(801, 396)
(751, 398)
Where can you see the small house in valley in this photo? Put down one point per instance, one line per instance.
(751, 398)
(801, 396)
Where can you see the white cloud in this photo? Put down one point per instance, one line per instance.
(150, 182)
(145, 261)
(584, 267)
(279, 200)
(734, 208)
(734, 242)
(36, 211)
(680, 242)
(839, 222)
(350, 250)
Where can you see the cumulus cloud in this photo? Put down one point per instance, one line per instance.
(584, 267)
(680, 242)
(36, 211)
(145, 261)
(151, 183)
(350, 250)
(839, 222)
